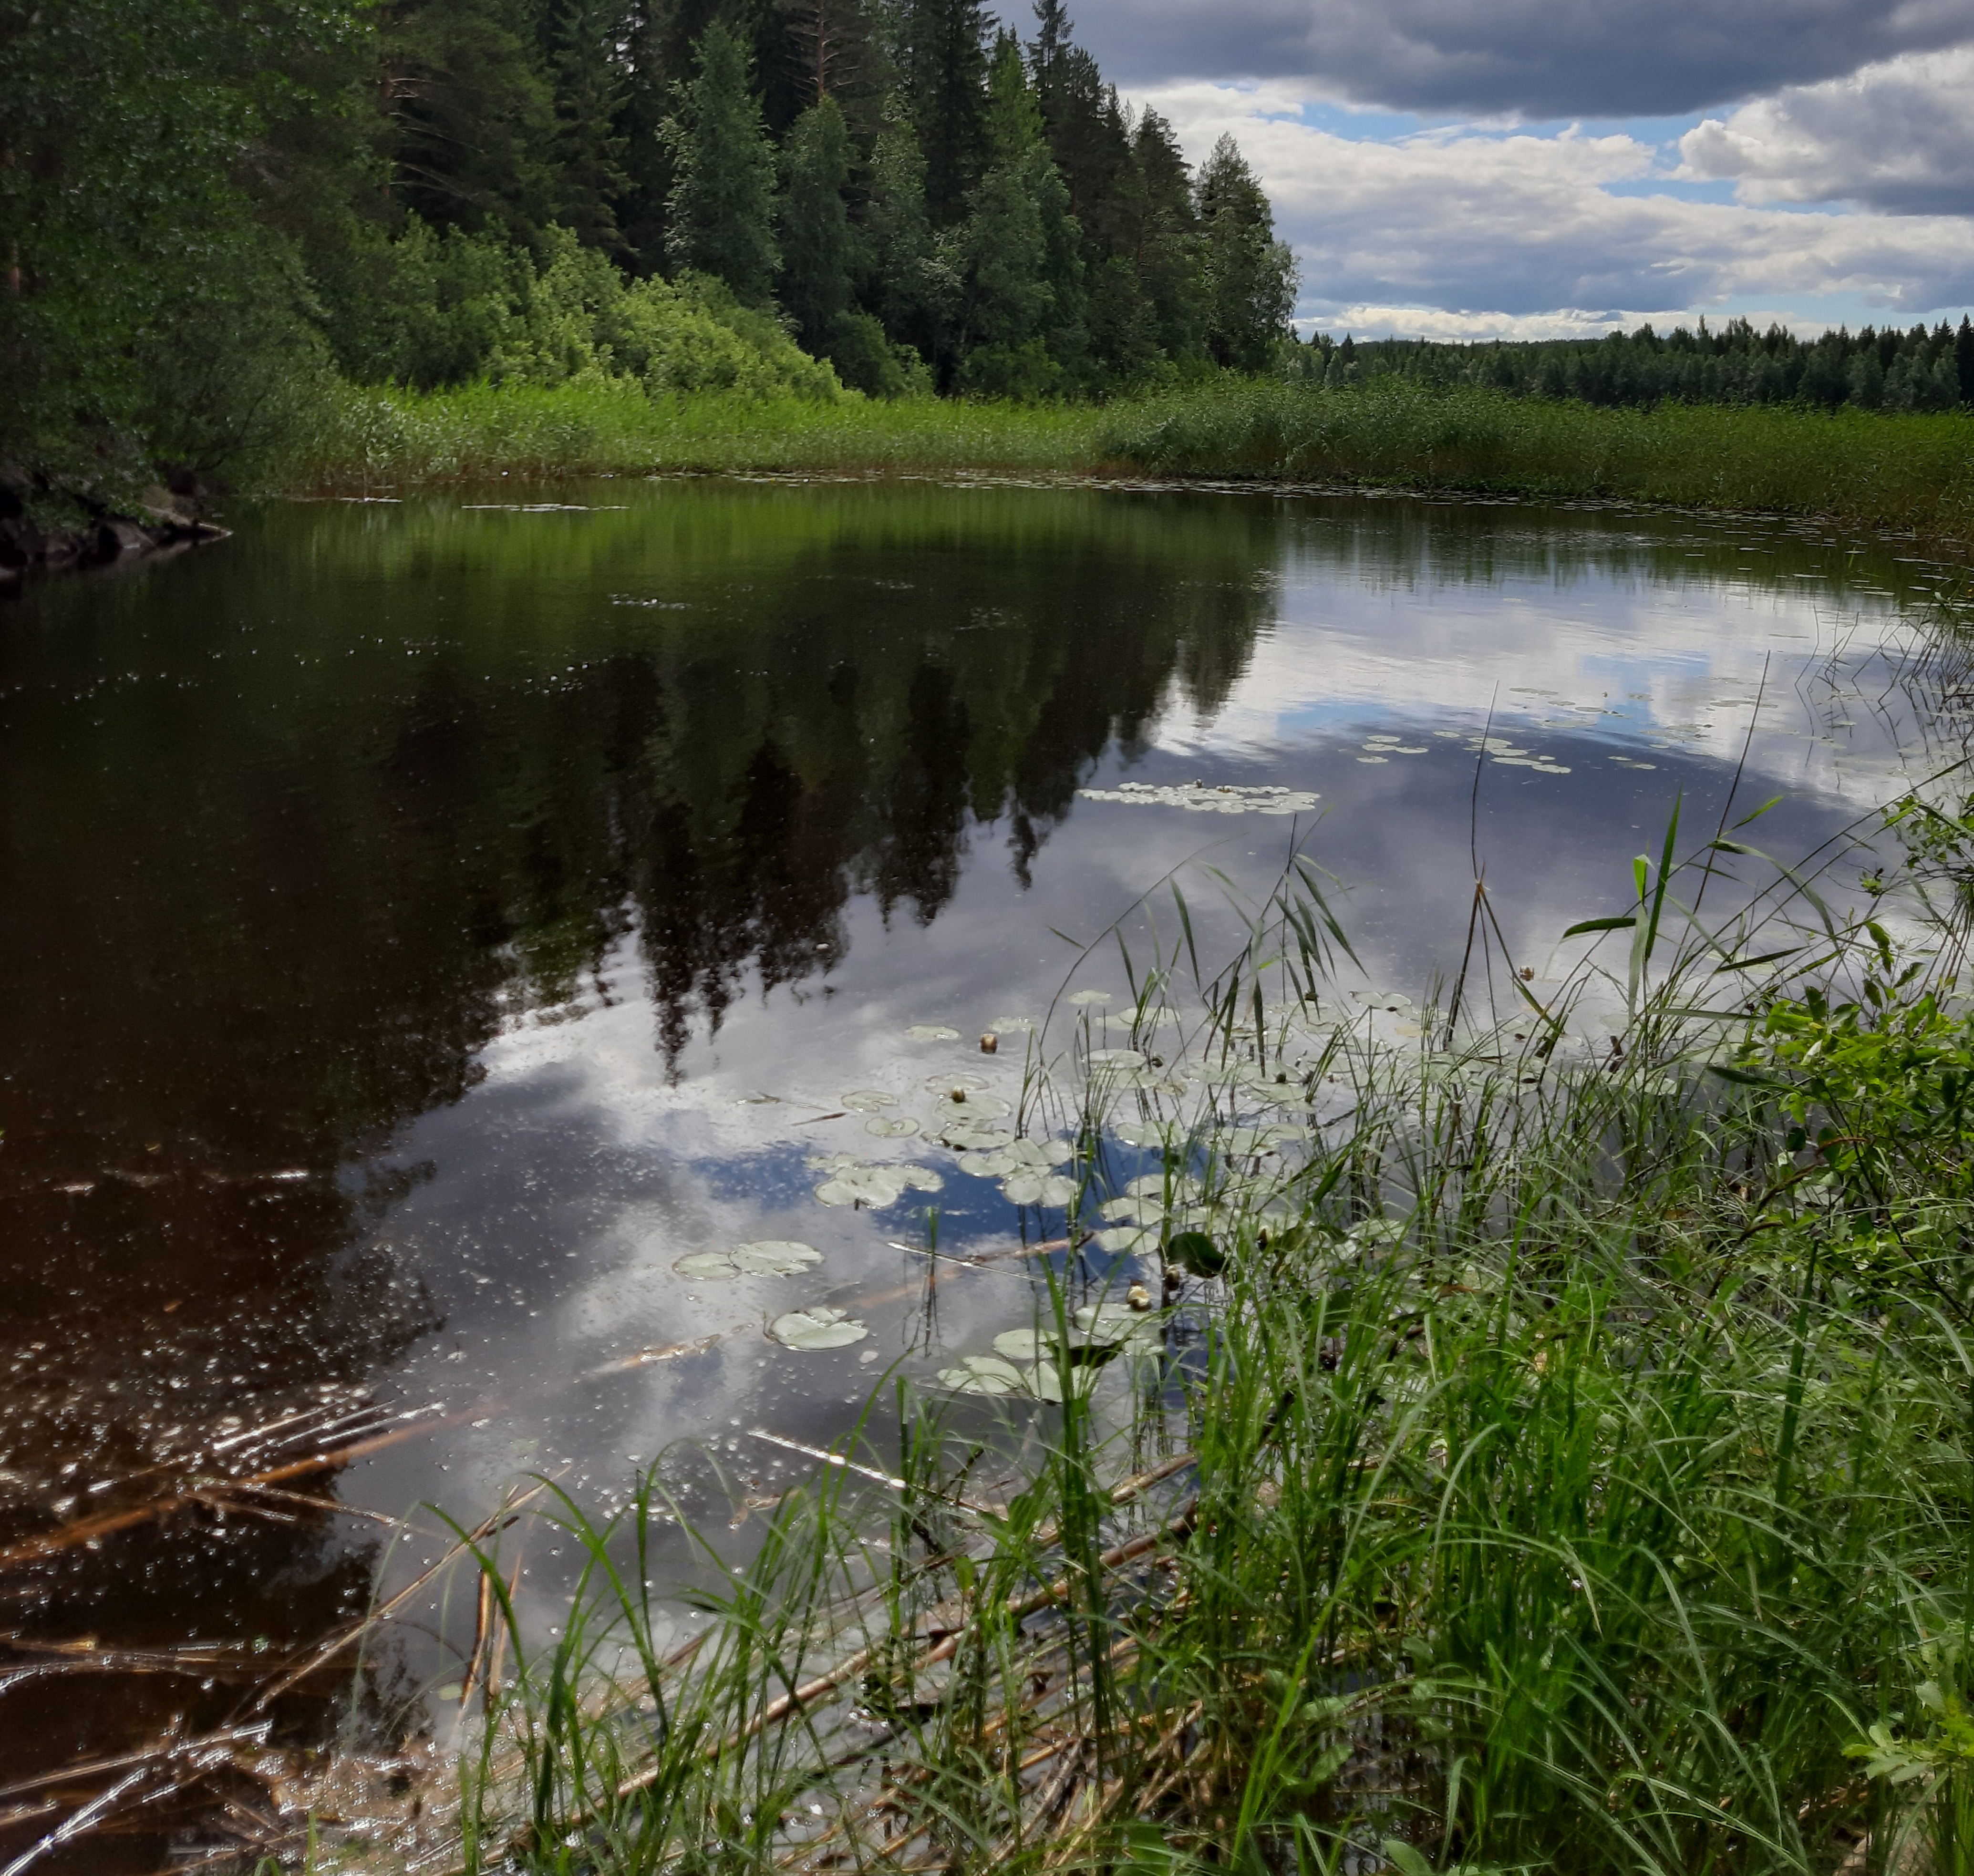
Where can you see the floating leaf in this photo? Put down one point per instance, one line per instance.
(932, 1032)
(984, 1374)
(1222, 799)
(707, 1266)
(1028, 1346)
(1010, 1025)
(1045, 1188)
(945, 1084)
(1197, 1253)
(867, 1101)
(1115, 1058)
(1124, 1240)
(774, 1256)
(819, 1326)
(891, 1126)
(1145, 1133)
(966, 1135)
(1087, 997)
(875, 1185)
(1134, 1211)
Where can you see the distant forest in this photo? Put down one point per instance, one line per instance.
(1917, 370)
(208, 207)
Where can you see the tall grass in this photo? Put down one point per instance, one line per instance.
(1557, 1456)
(388, 439)
(1910, 472)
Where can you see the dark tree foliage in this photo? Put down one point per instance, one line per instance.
(211, 208)
(721, 212)
(1874, 370)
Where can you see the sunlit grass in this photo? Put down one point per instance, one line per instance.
(1904, 472)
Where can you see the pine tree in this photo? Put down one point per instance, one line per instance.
(1249, 276)
(721, 210)
(1963, 359)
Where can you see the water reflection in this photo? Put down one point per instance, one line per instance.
(425, 922)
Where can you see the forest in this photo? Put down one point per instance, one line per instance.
(219, 210)
(1871, 369)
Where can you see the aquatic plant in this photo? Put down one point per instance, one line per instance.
(1529, 1429)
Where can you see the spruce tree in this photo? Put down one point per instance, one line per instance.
(582, 38)
(1963, 359)
(904, 285)
(942, 59)
(721, 209)
(1248, 275)
(815, 232)
(1164, 245)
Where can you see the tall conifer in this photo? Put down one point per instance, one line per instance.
(720, 215)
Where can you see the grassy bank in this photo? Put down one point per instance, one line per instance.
(389, 439)
(1540, 1440)
(1912, 473)
(1871, 469)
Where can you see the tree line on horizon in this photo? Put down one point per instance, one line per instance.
(1874, 369)
(207, 201)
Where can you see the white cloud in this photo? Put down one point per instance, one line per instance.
(1893, 135)
(1468, 222)
(1530, 58)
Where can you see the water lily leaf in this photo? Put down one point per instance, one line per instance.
(1010, 1025)
(891, 1126)
(774, 1256)
(707, 1266)
(819, 1326)
(1104, 1324)
(1086, 997)
(875, 1185)
(1134, 1211)
(867, 1101)
(1026, 1345)
(964, 1134)
(932, 1032)
(832, 1163)
(994, 1165)
(1029, 1187)
(1125, 1240)
(1197, 1253)
(945, 1084)
(1145, 1133)
(975, 1106)
(984, 1374)
(1115, 1058)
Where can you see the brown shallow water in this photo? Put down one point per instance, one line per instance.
(422, 924)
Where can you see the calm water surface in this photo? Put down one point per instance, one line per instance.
(422, 924)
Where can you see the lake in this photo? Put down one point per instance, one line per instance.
(427, 924)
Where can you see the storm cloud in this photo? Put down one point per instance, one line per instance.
(1518, 59)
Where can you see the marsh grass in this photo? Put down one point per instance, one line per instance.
(1871, 469)
(1906, 473)
(1566, 1466)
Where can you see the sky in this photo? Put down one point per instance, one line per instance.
(1543, 168)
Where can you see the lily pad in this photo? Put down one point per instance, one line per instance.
(1125, 1240)
(1134, 1211)
(945, 1084)
(770, 1257)
(1086, 997)
(965, 1134)
(1010, 1025)
(984, 1374)
(1145, 1133)
(973, 1104)
(891, 1126)
(1115, 1058)
(877, 1186)
(932, 1032)
(867, 1101)
(1043, 1188)
(1197, 1253)
(819, 1326)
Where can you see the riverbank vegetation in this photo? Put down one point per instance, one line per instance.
(1527, 1430)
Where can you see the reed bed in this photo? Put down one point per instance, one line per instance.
(1903, 472)
(1525, 1430)
(1900, 472)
